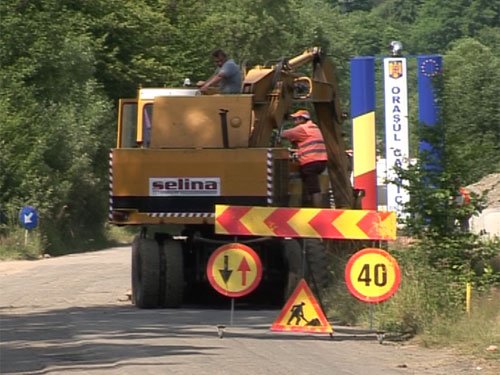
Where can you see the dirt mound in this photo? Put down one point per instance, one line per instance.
(491, 185)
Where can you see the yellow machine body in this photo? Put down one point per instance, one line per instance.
(194, 121)
(182, 186)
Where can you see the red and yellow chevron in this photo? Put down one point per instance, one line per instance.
(305, 222)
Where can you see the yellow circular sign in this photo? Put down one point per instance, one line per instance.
(372, 275)
(234, 270)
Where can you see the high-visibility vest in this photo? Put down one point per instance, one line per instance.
(465, 196)
(313, 147)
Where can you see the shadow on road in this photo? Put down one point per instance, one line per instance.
(50, 341)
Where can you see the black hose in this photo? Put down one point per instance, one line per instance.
(198, 238)
(223, 121)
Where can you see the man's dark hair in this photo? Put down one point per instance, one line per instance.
(219, 53)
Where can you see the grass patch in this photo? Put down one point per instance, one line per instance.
(120, 235)
(470, 334)
(17, 244)
(109, 236)
(343, 307)
(21, 244)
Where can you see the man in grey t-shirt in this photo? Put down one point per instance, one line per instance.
(227, 75)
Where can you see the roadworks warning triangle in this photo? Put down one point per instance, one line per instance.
(302, 313)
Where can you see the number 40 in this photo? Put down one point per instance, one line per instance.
(379, 274)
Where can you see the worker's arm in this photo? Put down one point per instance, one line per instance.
(295, 134)
(204, 85)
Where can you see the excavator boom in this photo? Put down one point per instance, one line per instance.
(276, 89)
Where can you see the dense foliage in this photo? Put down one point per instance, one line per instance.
(444, 255)
(64, 64)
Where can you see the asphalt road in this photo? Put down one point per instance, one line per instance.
(71, 315)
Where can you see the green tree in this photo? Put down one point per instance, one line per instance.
(353, 5)
(439, 22)
(134, 39)
(53, 134)
(490, 36)
(471, 109)
(404, 11)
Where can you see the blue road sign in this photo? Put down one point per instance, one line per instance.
(28, 217)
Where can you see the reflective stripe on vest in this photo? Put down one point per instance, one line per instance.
(313, 148)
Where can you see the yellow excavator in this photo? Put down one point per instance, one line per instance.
(179, 153)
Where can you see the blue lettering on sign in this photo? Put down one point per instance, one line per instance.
(396, 123)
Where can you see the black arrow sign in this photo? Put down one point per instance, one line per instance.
(226, 272)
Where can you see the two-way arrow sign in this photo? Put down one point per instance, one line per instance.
(234, 270)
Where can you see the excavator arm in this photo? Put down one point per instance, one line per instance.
(275, 89)
(329, 117)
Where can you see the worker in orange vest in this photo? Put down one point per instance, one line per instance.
(465, 196)
(311, 153)
(463, 200)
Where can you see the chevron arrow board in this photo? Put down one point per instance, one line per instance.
(305, 222)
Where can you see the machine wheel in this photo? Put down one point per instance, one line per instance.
(317, 265)
(145, 272)
(173, 280)
(293, 256)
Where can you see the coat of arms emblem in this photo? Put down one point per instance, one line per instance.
(395, 69)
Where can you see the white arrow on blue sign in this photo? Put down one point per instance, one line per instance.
(28, 217)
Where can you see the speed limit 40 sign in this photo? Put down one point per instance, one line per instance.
(372, 275)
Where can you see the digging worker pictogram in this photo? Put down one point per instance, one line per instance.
(297, 313)
(291, 316)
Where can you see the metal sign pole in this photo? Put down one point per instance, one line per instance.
(303, 258)
(232, 312)
(232, 299)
